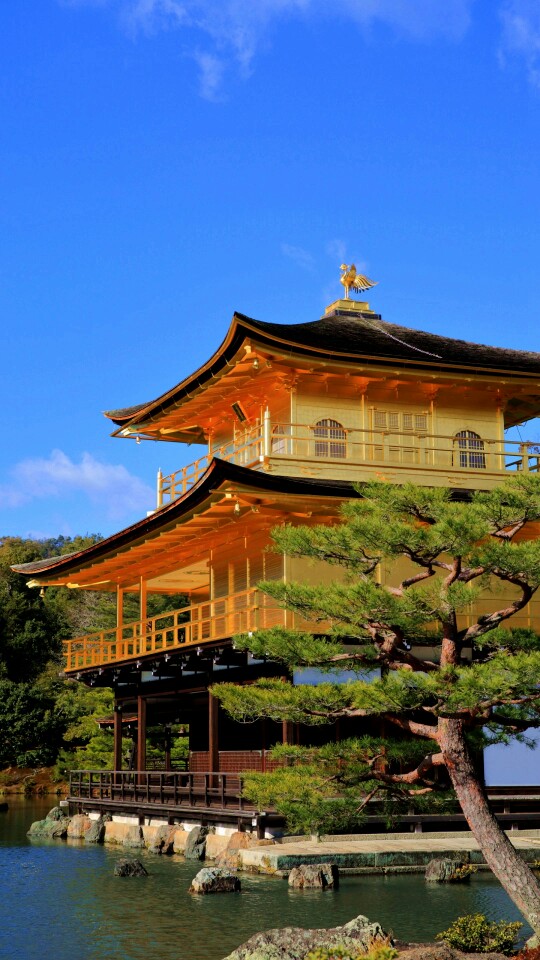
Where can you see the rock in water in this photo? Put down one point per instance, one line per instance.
(321, 876)
(196, 843)
(54, 827)
(164, 840)
(445, 870)
(293, 943)
(79, 826)
(214, 880)
(96, 833)
(130, 868)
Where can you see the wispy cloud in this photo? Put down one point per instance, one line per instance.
(236, 29)
(111, 486)
(521, 35)
(298, 255)
(337, 249)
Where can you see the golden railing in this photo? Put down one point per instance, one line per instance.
(369, 447)
(245, 450)
(178, 629)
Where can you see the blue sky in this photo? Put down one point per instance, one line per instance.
(165, 162)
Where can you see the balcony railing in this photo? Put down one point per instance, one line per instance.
(178, 629)
(246, 451)
(220, 790)
(464, 454)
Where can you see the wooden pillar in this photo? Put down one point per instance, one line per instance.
(213, 733)
(287, 732)
(141, 733)
(119, 612)
(142, 598)
(117, 756)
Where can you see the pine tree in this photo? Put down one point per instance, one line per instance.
(449, 680)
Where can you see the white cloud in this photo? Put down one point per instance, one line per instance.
(337, 249)
(237, 28)
(111, 486)
(521, 35)
(211, 70)
(298, 255)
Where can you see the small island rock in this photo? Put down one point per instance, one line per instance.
(322, 876)
(445, 870)
(130, 868)
(215, 880)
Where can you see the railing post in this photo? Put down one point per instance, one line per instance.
(159, 490)
(524, 452)
(267, 433)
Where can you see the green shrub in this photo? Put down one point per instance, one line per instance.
(474, 933)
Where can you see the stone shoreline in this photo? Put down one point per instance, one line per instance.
(362, 854)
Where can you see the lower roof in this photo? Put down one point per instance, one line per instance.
(212, 499)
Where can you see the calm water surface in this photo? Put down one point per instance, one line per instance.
(60, 901)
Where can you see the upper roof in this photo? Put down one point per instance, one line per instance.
(344, 337)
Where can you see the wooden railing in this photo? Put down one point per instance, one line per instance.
(465, 455)
(182, 628)
(144, 787)
(245, 450)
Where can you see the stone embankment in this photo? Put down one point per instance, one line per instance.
(235, 850)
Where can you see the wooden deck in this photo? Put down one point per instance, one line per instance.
(216, 797)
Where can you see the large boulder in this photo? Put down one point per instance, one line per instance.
(229, 858)
(134, 838)
(320, 876)
(214, 880)
(293, 943)
(130, 868)
(216, 844)
(196, 843)
(96, 833)
(179, 840)
(79, 826)
(53, 827)
(163, 840)
(446, 870)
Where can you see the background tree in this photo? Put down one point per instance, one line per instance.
(481, 686)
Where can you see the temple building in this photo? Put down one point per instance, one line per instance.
(292, 415)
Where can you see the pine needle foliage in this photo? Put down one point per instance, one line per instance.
(431, 659)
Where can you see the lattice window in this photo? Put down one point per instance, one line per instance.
(396, 422)
(330, 440)
(470, 450)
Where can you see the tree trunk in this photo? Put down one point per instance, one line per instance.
(513, 873)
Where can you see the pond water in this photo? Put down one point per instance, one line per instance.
(60, 901)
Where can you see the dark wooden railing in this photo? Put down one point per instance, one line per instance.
(162, 788)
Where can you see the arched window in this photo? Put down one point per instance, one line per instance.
(281, 439)
(470, 449)
(330, 439)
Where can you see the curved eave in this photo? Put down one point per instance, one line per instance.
(219, 473)
(293, 340)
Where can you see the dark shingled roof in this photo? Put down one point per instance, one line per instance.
(345, 336)
(364, 334)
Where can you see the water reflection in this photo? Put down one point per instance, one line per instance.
(62, 901)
